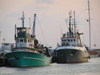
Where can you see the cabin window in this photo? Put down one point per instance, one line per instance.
(28, 40)
(74, 40)
(6, 44)
(63, 40)
(21, 40)
(63, 44)
(68, 40)
(25, 40)
(30, 45)
(21, 30)
(71, 40)
(17, 40)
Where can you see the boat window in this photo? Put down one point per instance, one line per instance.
(21, 40)
(18, 31)
(24, 30)
(28, 40)
(6, 44)
(17, 40)
(63, 40)
(30, 45)
(21, 30)
(68, 40)
(25, 40)
(74, 40)
(71, 40)
(63, 44)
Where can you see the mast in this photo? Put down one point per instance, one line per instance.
(75, 29)
(70, 23)
(22, 18)
(74, 23)
(89, 24)
(15, 31)
(34, 25)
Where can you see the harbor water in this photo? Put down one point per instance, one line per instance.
(89, 68)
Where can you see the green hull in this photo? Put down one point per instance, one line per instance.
(27, 59)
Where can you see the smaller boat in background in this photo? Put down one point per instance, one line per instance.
(6, 47)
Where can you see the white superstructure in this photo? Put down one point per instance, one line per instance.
(6, 47)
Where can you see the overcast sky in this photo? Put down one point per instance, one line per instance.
(51, 16)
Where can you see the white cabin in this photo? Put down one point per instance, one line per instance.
(24, 39)
(67, 40)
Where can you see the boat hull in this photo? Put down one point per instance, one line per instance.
(27, 59)
(68, 55)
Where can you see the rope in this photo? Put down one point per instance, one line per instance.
(41, 30)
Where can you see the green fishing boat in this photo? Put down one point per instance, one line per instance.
(28, 52)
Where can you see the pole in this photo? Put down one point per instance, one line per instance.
(15, 31)
(34, 25)
(29, 23)
(0, 33)
(23, 19)
(74, 23)
(70, 16)
(89, 24)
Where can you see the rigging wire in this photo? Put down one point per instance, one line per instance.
(41, 31)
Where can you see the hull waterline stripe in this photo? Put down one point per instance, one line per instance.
(11, 58)
(35, 59)
(29, 58)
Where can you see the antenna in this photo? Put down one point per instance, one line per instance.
(22, 18)
(29, 23)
